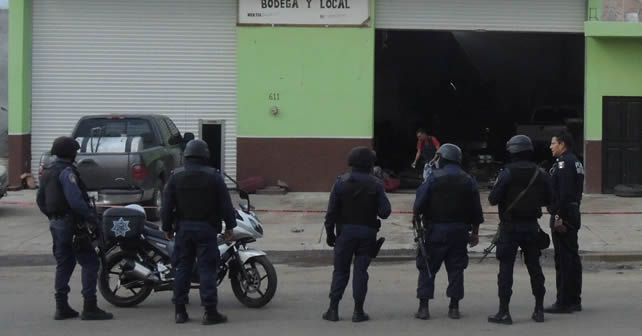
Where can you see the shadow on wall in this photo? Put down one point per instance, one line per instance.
(4, 25)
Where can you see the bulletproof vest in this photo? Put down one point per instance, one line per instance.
(358, 199)
(196, 197)
(451, 198)
(428, 150)
(529, 206)
(56, 203)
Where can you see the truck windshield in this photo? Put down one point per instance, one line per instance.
(114, 128)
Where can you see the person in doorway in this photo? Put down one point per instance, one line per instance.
(450, 209)
(195, 202)
(568, 184)
(356, 200)
(521, 191)
(427, 146)
(63, 198)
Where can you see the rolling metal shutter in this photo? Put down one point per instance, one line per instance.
(492, 15)
(171, 57)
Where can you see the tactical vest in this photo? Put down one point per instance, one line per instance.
(56, 203)
(358, 199)
(196, 197)
(451, 198)
(529, 206)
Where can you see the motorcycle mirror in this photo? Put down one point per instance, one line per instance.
(244, 195)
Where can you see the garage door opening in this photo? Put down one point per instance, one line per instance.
(475, 89)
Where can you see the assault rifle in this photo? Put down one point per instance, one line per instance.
(418, 230)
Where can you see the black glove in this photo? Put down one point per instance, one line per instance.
(331, 239)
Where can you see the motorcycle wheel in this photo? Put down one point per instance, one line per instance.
(111, 281)
(259, 288)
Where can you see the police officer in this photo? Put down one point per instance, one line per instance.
(63, 198)
(519, 226)
(356, 200)
(196, 200)
(568, 184)
(450, 208)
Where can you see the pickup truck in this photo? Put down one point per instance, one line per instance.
(126, 159)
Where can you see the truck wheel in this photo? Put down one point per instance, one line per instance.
(154, 211)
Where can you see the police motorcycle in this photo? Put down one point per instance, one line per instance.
(137, 258)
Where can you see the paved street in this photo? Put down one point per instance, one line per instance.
(611, 306)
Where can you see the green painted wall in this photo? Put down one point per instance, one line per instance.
(19, 74)
(321, 79)
(594, 10)
(613, 68)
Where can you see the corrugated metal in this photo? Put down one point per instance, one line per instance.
(172, 57)
(491, 15)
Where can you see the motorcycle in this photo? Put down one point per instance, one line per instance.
(137, 259)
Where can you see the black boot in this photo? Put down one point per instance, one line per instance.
(453, 309)
(333, 312)
(90, 311)
(181, 314)
(212, 316)
(63, 310)
(503, 315)
(359, 315)
(538, 313)
(423, 313)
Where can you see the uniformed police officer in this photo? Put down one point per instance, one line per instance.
(196, 200)
(450, 208)
(356, 200)
(568, 184)
(519, 226)
(63, 198)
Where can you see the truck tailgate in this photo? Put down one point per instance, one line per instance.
(106, 170)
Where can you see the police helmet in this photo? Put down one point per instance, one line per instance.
(65, 147)
(362, 158)
(519, 143)
(450, 152)
(137, 208)
(197, 149)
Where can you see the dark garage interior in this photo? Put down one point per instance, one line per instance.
(475, 89)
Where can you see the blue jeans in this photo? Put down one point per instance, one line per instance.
(427, 171)
(62, 233)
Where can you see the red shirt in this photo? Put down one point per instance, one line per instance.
(435, 142)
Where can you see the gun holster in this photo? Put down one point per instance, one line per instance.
(374, 251)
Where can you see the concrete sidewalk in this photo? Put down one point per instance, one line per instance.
(611, 225)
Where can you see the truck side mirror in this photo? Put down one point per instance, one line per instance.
(188, 136)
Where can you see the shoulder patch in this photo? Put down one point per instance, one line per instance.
(579, 168)
(72, 178)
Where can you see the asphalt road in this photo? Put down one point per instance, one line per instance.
(612, 306)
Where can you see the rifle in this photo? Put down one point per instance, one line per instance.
(418, 231)
(491, 247)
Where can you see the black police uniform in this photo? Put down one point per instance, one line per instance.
(519, 228)
(197, 200)
(450, 206)
(356, 200)
(568, 184)
(63, 198)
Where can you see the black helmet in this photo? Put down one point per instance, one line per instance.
(362, 158)
(519, 143)
(450, 152)
(65, 147)
(197, 149)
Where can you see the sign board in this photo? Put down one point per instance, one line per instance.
(304, 12)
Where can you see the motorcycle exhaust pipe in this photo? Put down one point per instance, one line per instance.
(137, 270)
